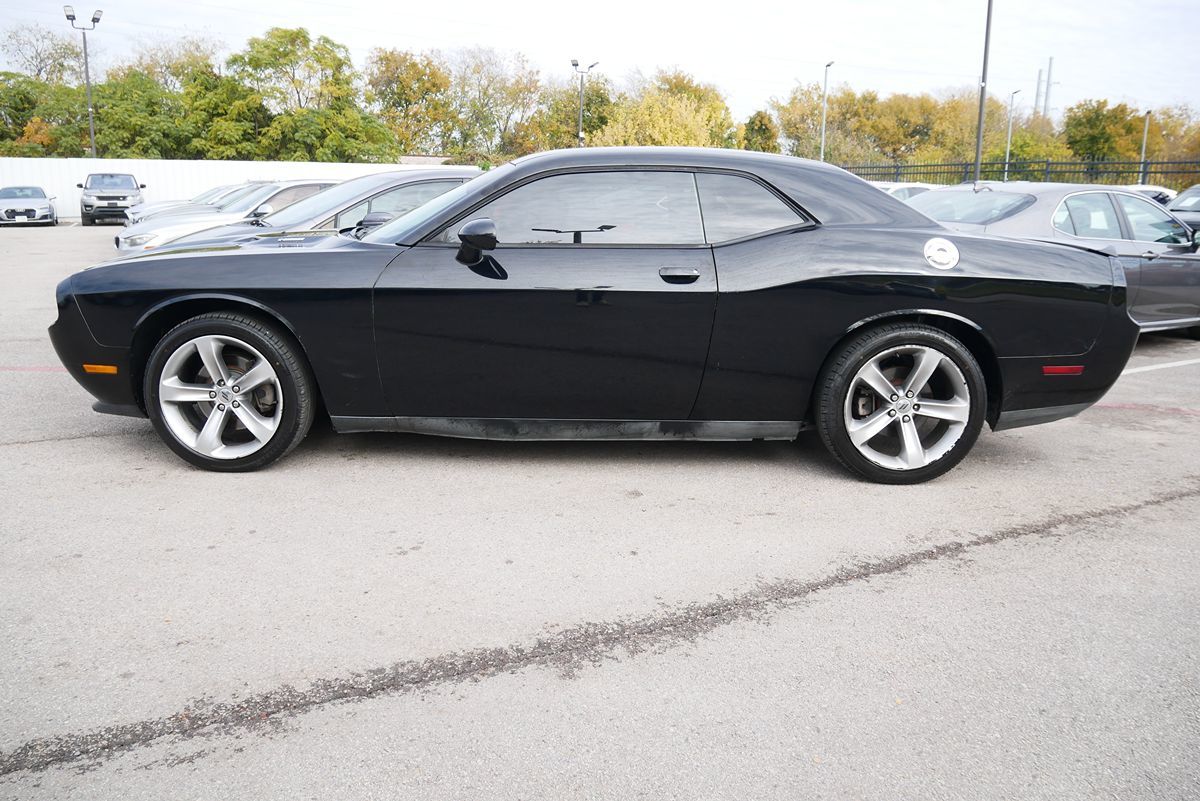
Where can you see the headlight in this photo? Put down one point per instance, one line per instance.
(137, 198)
(139, 240)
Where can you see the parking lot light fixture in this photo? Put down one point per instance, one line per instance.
(824, 107)
(987, 44)
(69, 12)
(1145, 136)
(1008, 139)
(582, 74)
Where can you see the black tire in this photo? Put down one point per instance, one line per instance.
(85, 219)
(295, 383)
(837, 378)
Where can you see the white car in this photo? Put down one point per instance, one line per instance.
(903, 191)
(26, 204)
(266, 198)
(142, 210)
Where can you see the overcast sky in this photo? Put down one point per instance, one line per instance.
(1143, 52)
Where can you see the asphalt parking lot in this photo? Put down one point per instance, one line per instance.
(390, 616)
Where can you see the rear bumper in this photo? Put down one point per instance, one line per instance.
(75, 346)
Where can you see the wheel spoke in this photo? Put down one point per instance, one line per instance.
(260, 373)
(926, 363)
(173, 390)
(209, 440)
(261, 428)
(861, 431)
(956, 411)
(913, 452)
(211, 350)
(873, 377)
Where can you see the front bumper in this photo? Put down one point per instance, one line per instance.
(105, 208)
(75, 346)
(26, 216)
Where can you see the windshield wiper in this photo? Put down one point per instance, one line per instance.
(577, 238)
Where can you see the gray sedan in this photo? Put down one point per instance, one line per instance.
(1158, 251)
(26, 204)
(382, 195)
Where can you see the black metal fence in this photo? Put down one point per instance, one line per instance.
(1175, 174)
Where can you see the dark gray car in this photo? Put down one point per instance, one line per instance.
(1186, 206)
(342, 206)
(1158, 250)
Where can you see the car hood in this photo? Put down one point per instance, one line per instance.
(181, 223)
(182, 208)
(288, 240)
(246, 232)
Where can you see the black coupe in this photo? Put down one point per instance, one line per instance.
(626, 293)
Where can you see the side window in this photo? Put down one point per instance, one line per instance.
(609, 208)
(1150, 223)
(734, 207)
(1062, 219)
(1089, 215)
(351, 216)
(404, 199)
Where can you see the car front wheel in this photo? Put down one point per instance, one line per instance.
(901, 403)
(228, 393)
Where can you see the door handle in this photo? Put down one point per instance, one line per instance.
(1150, 255)
(679, 275)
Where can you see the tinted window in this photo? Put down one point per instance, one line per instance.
(1187, 201)
(404, 199)
(290, 195)
(110, 181)
(21, 192)
(979, 208)
(1089, 215)
(734, 207)
(641, 208)
(1150, 223)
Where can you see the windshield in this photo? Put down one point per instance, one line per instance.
(110, 181)
(210, 195)
(404, 227)
(978, 208)
(319, 206)
(11, 192)
(1186, 201)
(245, 198)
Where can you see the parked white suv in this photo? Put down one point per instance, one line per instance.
(108, 195)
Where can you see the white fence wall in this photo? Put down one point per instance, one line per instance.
(174, 179)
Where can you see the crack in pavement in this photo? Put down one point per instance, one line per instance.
(568, 650)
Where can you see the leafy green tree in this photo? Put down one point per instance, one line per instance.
(323, 134)
(709, 101)
(59, 108)
(291, 70)
(761, 133)
(137, 118)
(555, 124)
(225, 117)
(412, 95)
(1094, 130)
(170, 63)
(492, 94)
(657, 118)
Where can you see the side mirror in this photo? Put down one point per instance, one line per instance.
(262, 211)
(476, 237)
(79, 185)
(141, 186)
(374, 219)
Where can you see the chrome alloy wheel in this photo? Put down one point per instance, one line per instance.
(220, 397)
(907, 407)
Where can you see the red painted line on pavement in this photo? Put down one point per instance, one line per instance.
(1149, 407)
(38, 369)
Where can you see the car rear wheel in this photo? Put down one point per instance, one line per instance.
(901, 403)
(228, 393)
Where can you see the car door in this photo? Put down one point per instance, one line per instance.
(1092, 219)
(1169, 285)
(597, 304)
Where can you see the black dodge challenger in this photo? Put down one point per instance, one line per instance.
(624, 293)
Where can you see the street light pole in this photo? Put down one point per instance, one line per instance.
(987, 44)
(69, 11)
(1008, 141)
(824, 107)
(582, 74)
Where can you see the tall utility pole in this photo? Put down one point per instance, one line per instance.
(1037, 98)
(824, 107)
(582, 74)
(87, 72)
(987, 45)
(1049, 83)
(1008, 141)
(1145, 136)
